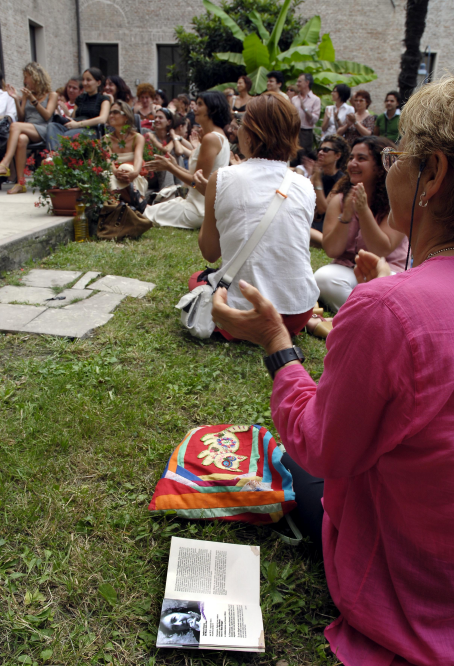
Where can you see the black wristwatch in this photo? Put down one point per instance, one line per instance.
(275, 361)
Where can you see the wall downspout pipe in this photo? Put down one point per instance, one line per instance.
(79, 44)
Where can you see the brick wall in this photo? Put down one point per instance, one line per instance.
(59, 48)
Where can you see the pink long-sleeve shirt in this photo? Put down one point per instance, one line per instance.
(379, 428)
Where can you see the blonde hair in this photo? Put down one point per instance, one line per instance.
(128, 113)
(41, 78)
(427, 122)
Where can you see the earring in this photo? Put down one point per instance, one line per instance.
(420, 200)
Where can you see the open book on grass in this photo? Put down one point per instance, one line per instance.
(212, 597)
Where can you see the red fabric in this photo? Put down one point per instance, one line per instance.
(379, 428)
(294, 323)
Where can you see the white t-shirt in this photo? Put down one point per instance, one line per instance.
(7, 106)
(280, 265)
(344, 110)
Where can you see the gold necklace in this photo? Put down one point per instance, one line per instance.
(433, 254)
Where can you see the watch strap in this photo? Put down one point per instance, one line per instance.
(275, 361)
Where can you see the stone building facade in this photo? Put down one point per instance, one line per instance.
(136, 36)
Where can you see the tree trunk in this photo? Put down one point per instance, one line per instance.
(415, 24)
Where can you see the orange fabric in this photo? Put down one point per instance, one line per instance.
(224, 500)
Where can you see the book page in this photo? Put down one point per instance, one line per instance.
(207, 570)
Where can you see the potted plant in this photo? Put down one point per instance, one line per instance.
(79, 170)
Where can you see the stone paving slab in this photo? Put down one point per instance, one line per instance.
(85, 279)
(41, 296)
(122, 285)
(13, 318)
(102, 303)
(49, 278)
(65, 324)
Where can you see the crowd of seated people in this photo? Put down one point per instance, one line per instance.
(374, 437)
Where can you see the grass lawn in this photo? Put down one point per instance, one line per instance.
(86, 429)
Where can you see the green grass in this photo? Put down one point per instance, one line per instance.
(86, 429)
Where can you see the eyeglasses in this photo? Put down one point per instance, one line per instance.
(115, 112)
(325, 149)
(390, 157)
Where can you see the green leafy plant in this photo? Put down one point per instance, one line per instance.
(210, 34)
(82, 162)
(308, 52)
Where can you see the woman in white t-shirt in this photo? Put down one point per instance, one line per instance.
(7, 103)
(237, 198)
(336, 114)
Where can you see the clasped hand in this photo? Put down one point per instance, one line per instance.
(262, 325)
(355, 201)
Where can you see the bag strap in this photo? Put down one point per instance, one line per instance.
(247, 249)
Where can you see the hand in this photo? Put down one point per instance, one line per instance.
(351, 119)
(27, 93)
(172, 134)
(126, 175)
(235, 159)
(194, 139)
(263, 325)
(369, 266)
(347, 212)
(316, 177)
(159, 163)
(308, 165)
(11, 90)
(73, 124)
(359, 198)
(200, 181)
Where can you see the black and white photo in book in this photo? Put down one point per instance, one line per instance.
(180, 623)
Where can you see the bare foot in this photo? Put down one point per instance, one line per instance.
(17, 189)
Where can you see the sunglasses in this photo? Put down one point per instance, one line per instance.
(325, 149)
(116, 112)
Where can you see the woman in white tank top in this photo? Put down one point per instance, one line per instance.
(237, 198)
(212, 114)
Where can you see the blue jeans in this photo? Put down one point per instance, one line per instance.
(56, 130)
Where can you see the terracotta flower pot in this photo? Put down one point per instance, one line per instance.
(64, 201)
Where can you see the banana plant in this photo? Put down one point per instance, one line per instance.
(308, 53)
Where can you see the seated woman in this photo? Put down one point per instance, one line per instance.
(116, 88)
(358, 124)
(332, 160)
(378, 426)
(163, 138)
(357, 217)
(34, 110)
(128, 146)
(240, 102)
(92, 109)
(237, 198)
(72, 91)
(212, 115)
(145, 106)
(160, 99)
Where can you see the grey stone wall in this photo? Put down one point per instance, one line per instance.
(58, 47)
(438, 35)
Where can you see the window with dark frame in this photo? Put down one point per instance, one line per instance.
(171, 70)
(33, 49)
(105, 58)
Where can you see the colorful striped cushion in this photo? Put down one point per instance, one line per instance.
(226, 472)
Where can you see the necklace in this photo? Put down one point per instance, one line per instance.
(445, 249)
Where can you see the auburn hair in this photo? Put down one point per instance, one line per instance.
(272, 124)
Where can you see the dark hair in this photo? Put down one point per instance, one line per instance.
(309, 78)
(163, 96)
(276, 75)
(247, 81)
(395, 94)
(97, 75)
(340, 146)
(191, 607)
(365, 95)
(123, 90)
(343, 90)
(2, 79)
(218, 107)
(168, 114)
(380, 203)
(181, 120)
(182, 97)
(272, 124)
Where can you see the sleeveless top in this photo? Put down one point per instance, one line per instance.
(355, 242)
(280, 265)
(33, 116)
(222, 159)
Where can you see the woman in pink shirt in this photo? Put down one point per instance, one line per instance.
(379, 426)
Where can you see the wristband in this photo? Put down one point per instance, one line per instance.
(34, 103)
(193, 184)
(318, 188)
(277, 360)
